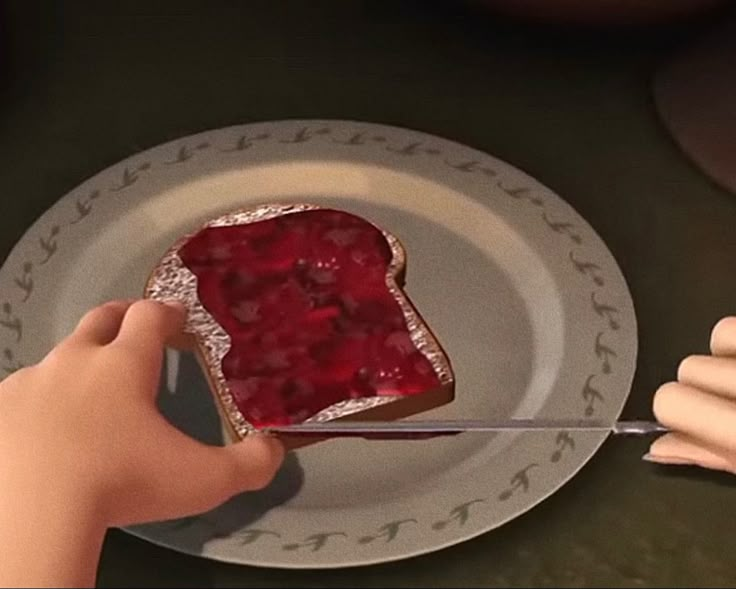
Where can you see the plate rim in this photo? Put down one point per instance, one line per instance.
(439, 545)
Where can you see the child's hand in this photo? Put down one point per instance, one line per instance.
(701, 407)
(84, 421)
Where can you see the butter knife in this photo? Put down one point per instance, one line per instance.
(423, 429)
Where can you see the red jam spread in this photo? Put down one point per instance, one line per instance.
(304, 299)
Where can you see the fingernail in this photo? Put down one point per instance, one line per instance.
(178, 305)
(672, 460)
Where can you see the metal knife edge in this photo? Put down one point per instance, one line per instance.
(467, 426)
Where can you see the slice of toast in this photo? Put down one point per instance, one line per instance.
(297, 314)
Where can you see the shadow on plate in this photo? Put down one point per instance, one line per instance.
(185, 400)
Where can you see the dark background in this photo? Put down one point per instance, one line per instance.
(85, 84)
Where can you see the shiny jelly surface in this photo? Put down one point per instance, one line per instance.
(304, 299)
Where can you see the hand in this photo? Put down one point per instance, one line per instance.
(84, 419)
(83, 447)
(701, 407)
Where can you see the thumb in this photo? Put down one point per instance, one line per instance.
(677, 449)
(189, 478)
(253, 463)
(248, 465)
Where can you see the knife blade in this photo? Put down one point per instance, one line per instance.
(413, 429)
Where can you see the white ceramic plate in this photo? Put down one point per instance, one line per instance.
(525, 297)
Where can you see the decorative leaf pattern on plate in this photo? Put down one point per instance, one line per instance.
(130, 177)
(588, 268)
(564, 442)
(245, 142)
(25, 281)
(563, 228)
(591, 396)
(472, 166)
(305, 134)
(251, 535)
(10, 364)
(519, 482)
(315, 541)
(10, 321)
(459, 514)
(360, 138)
(186, 153)
(605, 311)
(413, 148)
(84, 206)
(604, 353)
(515, 192)
(387, 532)
(49, 244)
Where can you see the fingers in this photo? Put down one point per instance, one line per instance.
(710, 373)
(129, 320)
(150, 324)
(697, 414)
(723, 337)
(101, 325)
(701, 407)
(676, 448)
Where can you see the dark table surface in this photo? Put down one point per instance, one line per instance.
(85, 84)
